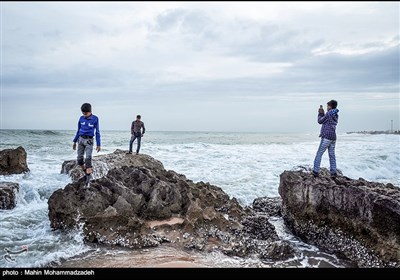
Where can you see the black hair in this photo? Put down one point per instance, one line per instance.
(332, 104)
(138, 117)
(86, 107)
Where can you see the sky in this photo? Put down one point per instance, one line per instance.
(200, 66)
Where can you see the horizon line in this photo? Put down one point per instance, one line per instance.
(200, 131)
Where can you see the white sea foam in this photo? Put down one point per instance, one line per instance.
(244, 165)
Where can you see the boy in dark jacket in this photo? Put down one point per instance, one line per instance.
(328, 137)
(137, 131)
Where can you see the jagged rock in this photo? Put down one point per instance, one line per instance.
(102, 164)
(8, 195)
(278, 251)
(135, 202)
(13, 161)
(268, 205)
(258, 227)
(354, 218)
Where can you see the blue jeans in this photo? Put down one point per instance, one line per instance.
(135, 135)
(330, 145)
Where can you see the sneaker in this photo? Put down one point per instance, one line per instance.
(333, 175)
(315, 174)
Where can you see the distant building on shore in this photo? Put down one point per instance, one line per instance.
(376, 132)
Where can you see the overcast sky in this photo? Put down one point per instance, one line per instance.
(200, 66)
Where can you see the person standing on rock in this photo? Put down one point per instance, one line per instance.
(137, 131)
(328, 137)
(87, 125)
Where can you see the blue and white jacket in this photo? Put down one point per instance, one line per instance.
(87, 126)
(329, 122)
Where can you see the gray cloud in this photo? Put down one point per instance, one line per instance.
(192, 65)
(334, 72)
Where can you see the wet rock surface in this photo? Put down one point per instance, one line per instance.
(8, 195)
(13, 161)
(357, 219)
(271, 206)
(102, 164)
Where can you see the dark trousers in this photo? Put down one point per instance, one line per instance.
(135, 135)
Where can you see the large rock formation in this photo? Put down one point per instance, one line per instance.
(135, 202)
(8, 195)
(353, 218)
(13, 161)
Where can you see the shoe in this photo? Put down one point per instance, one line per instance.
(129, 153)
(137, 153)
(315, 174)
(87, 180)
(333, 175)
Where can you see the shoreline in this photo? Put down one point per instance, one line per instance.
(165, 255)
(396, 132)
(173, 256)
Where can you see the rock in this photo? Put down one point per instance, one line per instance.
(258, 227)
(278, 251)
(353, 218)
(134, 202)
(268, 205)
(13, 161)
(102, 164)
(8, 195)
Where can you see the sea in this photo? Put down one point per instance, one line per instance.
(244, 165)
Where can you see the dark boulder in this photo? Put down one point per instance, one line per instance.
(269, 205)
(13, 161)
(8, 195)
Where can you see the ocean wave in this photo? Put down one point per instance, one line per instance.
(44, 132)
